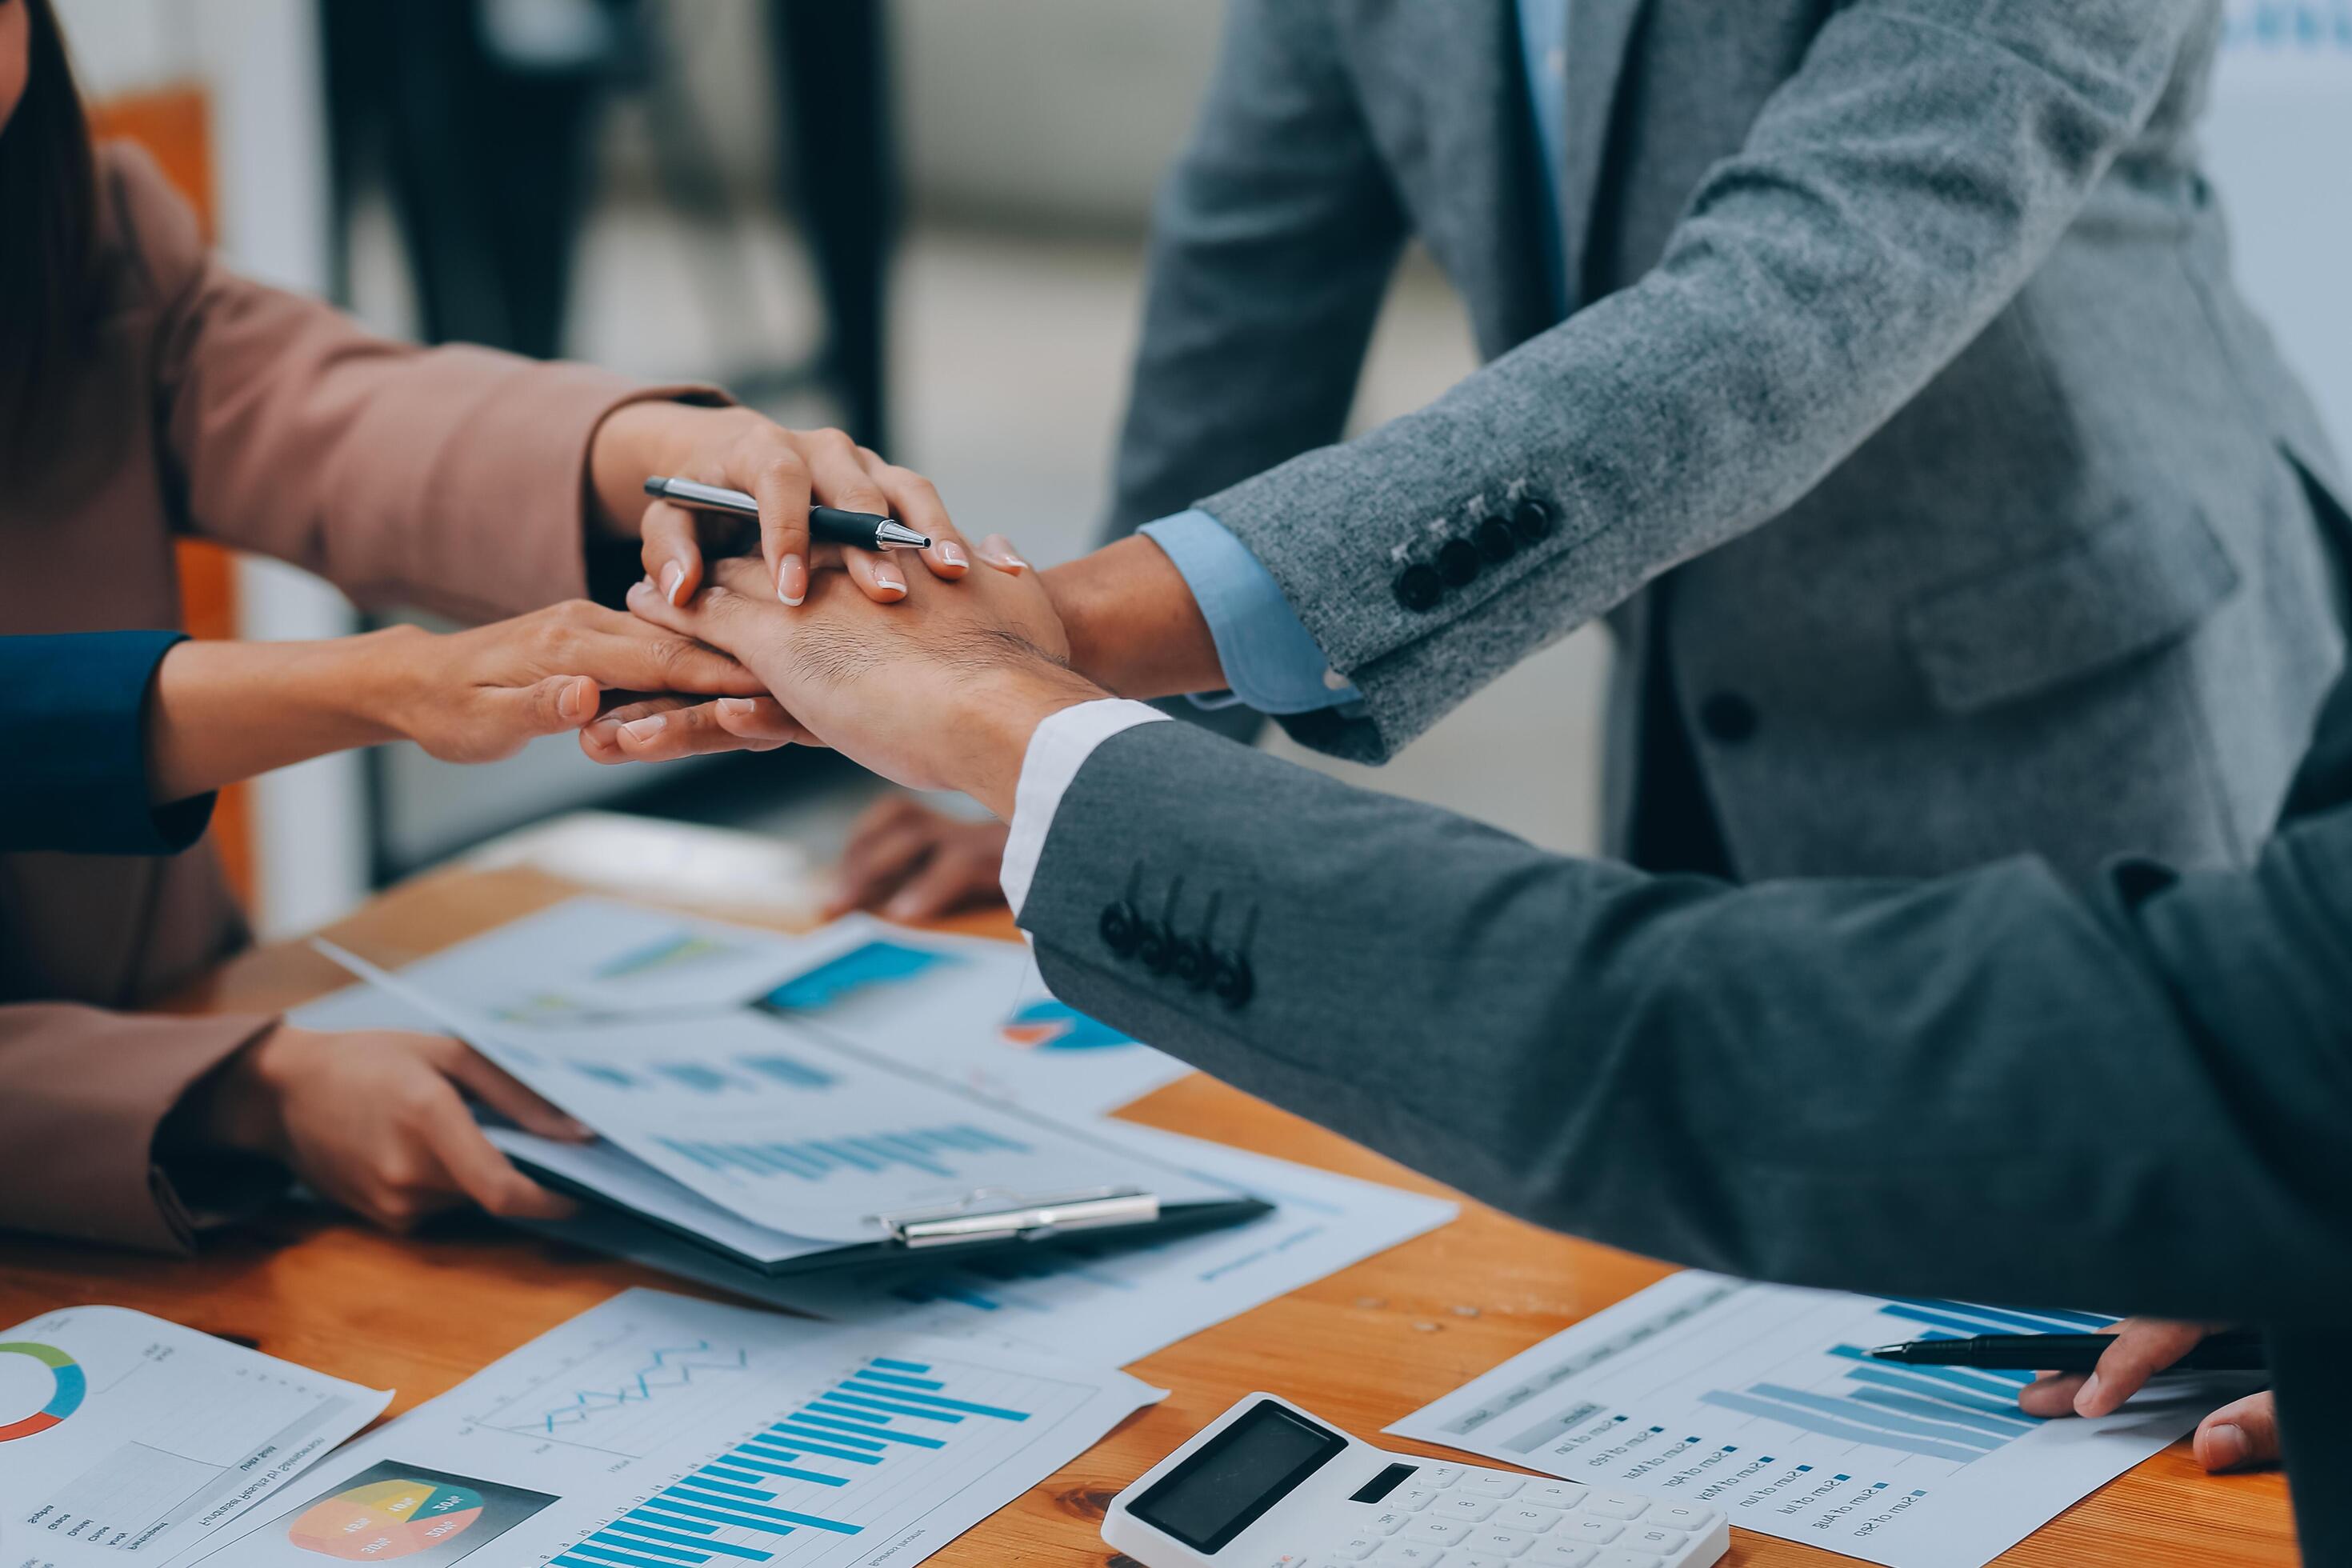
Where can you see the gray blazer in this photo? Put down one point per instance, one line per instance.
(1934, 287)
(2136, 1097)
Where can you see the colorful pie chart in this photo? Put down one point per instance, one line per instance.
(385, 1518)
(65, 1393)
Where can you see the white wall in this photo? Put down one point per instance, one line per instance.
(2277, 145)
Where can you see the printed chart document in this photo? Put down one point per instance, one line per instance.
(124, 1438)
(969, 1010)
(1758, 1400)
(659, 1432)
(1102, 1301)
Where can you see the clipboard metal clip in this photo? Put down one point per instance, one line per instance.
(995, 1215)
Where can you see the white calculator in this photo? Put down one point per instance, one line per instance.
(1266, 1485)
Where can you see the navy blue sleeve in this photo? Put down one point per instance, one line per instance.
(74, 777)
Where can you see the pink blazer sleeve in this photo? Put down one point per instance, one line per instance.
(88, 1090)
(450, 479)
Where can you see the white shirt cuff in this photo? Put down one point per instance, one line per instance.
(1056, 752)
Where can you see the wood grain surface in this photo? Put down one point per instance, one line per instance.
(420, 1313)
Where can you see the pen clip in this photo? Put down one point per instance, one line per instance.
(1026, 1220)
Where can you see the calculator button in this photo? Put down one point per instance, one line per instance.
(1443, 1531)
(1440, 1475)
(1628, 1560)
(1615, 1505)
(1492, 1483)
(1356, 1547)
(1410, 1554)
(1680, 1517)
(1562, 1554)
(1500, 1543)
(1555, 1494)
(1651, 1538)
(1520, 1517)
(1476, 1560)
(1413, 1499)
(1387, 1523)
(1461, 1505)
(1591, 1532)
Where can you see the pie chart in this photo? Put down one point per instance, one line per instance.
(385, 1518)
(66, 1387)
(1051, 1025)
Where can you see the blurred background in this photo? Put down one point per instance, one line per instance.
(920, 219)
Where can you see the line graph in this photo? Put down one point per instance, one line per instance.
(594, 1405)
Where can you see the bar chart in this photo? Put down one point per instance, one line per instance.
(1764, 1401)
(933, 1151)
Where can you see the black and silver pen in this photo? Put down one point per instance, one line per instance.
(864, 530)
(2238, 1350)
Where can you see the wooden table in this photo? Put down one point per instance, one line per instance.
(1361, 1347)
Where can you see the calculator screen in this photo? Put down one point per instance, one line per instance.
(1237, 1476)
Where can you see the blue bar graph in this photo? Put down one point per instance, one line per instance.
(1957, 1413)
(931, 1149)
(695, 1075)
(614, 1076)
(786, 1070)
(773, 1483)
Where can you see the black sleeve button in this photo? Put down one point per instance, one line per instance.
(1157, 949)
(1419, 587)
(1119, 921)
(1192, 963)
(1458, 562)
(1495, 540)
(1531, 520)
(1727, 717)
(1231, 981)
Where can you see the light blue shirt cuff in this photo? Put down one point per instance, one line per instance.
(1270, 660)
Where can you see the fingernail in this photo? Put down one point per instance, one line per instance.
(998, 551)
(2086, 1395)
(903, 908)
(887, 576)
(673, 578)
(736, 707)
(579, 702)
(640, 590)
(580, 1130)
(645, 728)
(791, 580)
(952, 554)
(2227, 1446)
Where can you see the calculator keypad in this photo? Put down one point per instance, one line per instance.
(1452, 1516)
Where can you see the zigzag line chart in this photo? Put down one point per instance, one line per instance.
(620, 1397)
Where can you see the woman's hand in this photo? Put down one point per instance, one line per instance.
(914, 863)
(478, 696)
(941, 692)
(785, 471)
(2241, 1434)
(376, 1121)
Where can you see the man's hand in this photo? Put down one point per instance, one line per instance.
(940, 692)
(2241, 1434)
(917, 864)
(376, 1121)
(785, 471)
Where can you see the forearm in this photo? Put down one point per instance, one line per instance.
(1984, 1084)
(222, 711)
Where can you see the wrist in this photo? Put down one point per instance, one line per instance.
(240, 1108)
(1133, 625)
(997, 722)
(632, 444)
(373, 686)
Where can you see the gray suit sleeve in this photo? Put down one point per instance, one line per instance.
(1272, 243)
(1986, 1085)
(1891, 197)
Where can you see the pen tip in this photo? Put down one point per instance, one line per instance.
(1887, 1353)
(655, 485)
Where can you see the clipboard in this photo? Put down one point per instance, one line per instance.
(988, 1221)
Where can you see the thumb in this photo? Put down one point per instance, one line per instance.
(2240, 1435)
(558, 703)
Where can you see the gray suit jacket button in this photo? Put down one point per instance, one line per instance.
(1419, 588)
(1496, 542)
(1458, 562)
(1119, 927)
(1727, 717)
(1232, 981)
(1155, 948)
(1531, 521)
